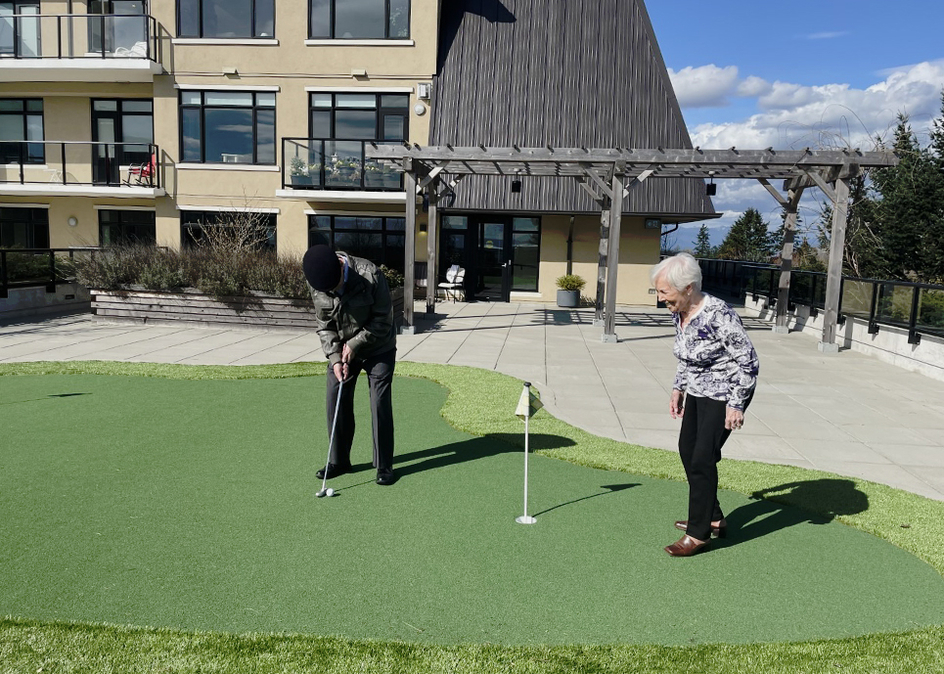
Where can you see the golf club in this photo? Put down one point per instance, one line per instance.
(334, 424)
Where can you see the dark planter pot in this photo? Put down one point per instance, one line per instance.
(568, 298)
(301, 181)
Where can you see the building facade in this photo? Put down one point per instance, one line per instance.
(152, 120)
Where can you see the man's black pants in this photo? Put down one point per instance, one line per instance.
(379, 371)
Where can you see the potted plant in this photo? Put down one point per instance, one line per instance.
(568, 290)
(299, 173)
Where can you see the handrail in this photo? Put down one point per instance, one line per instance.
(100, 165)
(21, 263)
(32, 31)
(879, 301)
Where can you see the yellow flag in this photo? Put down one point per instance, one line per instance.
(528, 403)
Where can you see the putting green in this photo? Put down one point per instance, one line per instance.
(191, 504)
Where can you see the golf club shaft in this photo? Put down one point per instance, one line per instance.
(334, 426)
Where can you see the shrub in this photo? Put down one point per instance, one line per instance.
(394, 278)
(570, 282)
(116, 268)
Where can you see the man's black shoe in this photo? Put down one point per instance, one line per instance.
(386, 477)
(332, 470)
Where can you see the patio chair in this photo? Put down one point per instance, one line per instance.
(143, 173)
(454, 283)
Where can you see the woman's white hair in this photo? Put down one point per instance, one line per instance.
(679, 271)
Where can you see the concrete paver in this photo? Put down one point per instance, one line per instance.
(847, 413)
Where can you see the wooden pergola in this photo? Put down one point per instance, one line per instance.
(609, 175)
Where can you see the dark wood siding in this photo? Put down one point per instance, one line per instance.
(564, 73)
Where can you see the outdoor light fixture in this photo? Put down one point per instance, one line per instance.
(516, 186)
(711, 189)
(72, 221)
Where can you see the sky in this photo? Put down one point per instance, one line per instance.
(823, 74)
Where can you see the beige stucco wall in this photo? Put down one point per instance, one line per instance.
(639, 250)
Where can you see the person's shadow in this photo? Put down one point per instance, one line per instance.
(471, 450)
(793, 503)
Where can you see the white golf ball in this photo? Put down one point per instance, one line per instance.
(329, 492)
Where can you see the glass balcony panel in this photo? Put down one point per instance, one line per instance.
(343, 164)
(856, 298)
(931, 310)
(894, 304)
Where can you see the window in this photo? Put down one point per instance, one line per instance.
(231, 127)
(21, 119)
(378, 239)
(345, 122)
(226, 18)
(121, 227)
(359, 19)
(525, 253)
(193, 225)
(19, 29)
(121, 28)
(125, 130)
(24, 228)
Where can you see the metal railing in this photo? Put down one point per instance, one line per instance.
(79, 163)
(80, 36)
(36, 267)
(320, 164)
(915, 307)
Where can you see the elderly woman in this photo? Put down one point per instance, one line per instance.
(717, 372)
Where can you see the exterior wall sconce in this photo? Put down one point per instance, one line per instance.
(516, 186)
(423, 227)
(711, 189)
(72, 221)
(419, 109)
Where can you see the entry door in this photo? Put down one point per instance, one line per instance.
(105, 168)
(493, 259)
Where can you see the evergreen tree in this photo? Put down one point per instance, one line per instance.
(747, 239)
(702, 243)
(910, 213)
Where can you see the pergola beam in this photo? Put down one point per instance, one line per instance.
(624, 167)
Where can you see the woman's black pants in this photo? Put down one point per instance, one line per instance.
(700, 441)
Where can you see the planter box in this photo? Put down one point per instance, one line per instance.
(568, 298)
(195, 308)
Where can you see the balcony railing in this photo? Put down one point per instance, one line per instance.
(318, 164)
(37, 267)
(79, 36)
(915, 307)
(79, 163)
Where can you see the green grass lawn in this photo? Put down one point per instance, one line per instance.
(192, 512)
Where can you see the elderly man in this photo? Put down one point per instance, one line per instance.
(354, 314)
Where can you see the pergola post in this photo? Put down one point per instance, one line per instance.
(837, 243)
(432, 229)
(786, 260)
(409, 254)
(602, 262)
(612, 258)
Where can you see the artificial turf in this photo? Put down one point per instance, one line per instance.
(224, 535)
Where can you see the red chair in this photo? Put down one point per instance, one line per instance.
(143, 174)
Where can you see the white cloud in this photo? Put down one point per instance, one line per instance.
(831, 115)
(827, 35)
(705, 86)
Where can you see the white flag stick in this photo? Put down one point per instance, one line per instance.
(525, 518)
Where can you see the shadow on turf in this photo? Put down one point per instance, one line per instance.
(472, 450)
(611, 488)
(791, 504)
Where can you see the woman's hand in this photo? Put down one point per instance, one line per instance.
(733, 419)
(676, 404)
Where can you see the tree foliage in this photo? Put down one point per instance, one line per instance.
(748, 239)
(703, 246)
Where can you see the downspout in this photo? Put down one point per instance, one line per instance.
(570, 247)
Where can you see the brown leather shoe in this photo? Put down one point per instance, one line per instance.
(686, 546)
(716, 532)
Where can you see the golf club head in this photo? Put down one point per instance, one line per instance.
(321, 493)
